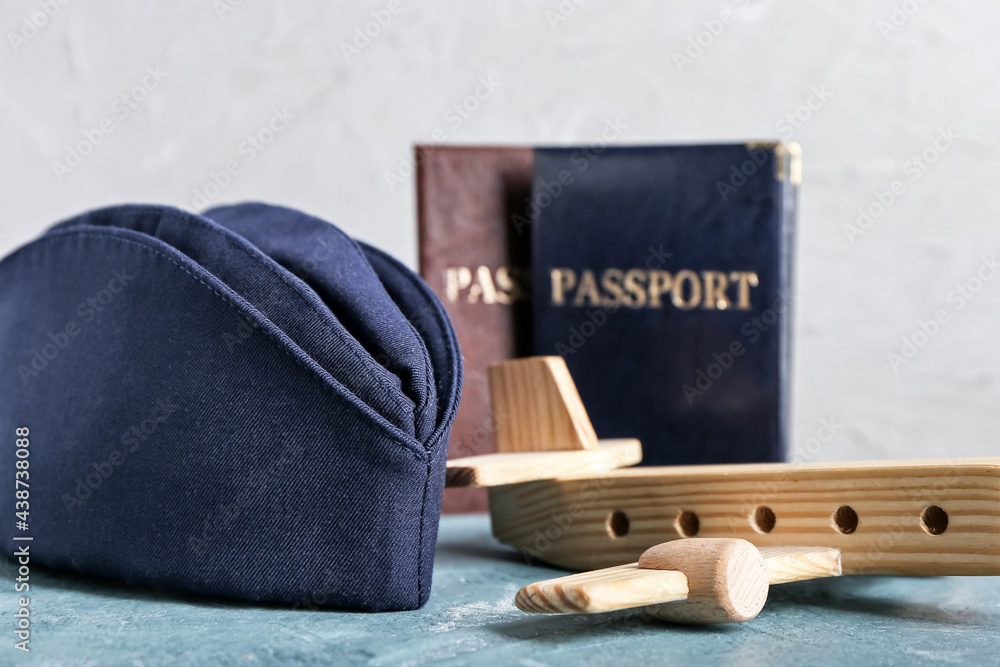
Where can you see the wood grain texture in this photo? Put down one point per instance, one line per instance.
(654, 580)
(727, 580)
(498, 469)
(536, 407)
(788, 564)
(610, 589)
(931, 517)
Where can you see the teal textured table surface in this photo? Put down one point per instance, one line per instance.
(471, 618)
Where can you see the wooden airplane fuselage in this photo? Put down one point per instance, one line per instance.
(888, 517)
(560, 495)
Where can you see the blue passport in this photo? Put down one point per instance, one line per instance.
(662, 275)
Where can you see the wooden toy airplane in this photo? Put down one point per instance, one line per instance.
(705, 541)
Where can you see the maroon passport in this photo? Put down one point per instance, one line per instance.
(475, 253)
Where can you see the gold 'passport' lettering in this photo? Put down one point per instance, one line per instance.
(482, 284)
(644, 288)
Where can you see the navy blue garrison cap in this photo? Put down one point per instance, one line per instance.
(245, 403)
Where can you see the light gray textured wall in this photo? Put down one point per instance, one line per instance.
(884, 78)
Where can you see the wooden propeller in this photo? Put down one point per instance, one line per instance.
(701, 580)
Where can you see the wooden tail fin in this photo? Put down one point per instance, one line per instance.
(537, 407)
(542, 430)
